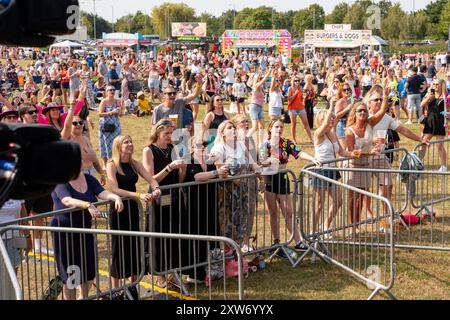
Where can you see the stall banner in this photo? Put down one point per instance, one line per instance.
(185, 29)
(337, 39)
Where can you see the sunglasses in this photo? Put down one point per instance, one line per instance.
(11, 117)
(346, 89)
(296, 80)
(78, 123)
(361, 110)
(377, 100)
(218, 100)
(244, 121)
(31, 112)
(171, 93)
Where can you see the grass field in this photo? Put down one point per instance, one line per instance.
(420, 274)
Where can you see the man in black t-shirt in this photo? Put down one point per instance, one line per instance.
(414, 87)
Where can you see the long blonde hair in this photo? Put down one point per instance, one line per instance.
(351, 120)
(115, 158)
(159, 127)
(220, 130)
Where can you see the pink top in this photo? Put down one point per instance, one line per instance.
(258, 97)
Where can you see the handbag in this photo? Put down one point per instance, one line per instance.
(109, 127)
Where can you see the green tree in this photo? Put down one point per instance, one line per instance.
(357, 14)
(125, 24)
(260, 18)
(393, 24)
(214, 26)
(434, 9)
(310, 18)
(239, 17)
(444, 22)
(338, 14)
(167, 13)
(101, 25)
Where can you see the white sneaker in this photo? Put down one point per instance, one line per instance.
(443, 169)
(43, 250)
(246, 249)
(408, 122)
(193, 281)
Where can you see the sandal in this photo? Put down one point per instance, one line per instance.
(54, 289)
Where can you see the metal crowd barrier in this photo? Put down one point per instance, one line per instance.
(432, 155)
(88, 258)
(9, 287)
(230, 207)
(339, 227)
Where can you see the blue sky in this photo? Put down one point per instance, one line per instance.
(105, 9)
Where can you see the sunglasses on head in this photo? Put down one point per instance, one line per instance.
(77, 123)
(361, 110)
(377, 100)
(31, 112)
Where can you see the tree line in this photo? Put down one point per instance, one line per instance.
(432, 22)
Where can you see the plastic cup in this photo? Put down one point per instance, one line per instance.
(381, 134)
(174, 119)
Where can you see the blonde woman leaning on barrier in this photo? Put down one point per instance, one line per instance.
(326, 145)
(73, 251)
(123, 173)
(161, 161)
(359, 137)
(276, 150)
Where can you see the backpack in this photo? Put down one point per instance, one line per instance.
(410, 161)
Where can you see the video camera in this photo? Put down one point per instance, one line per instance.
(32, 23)
(33, 158)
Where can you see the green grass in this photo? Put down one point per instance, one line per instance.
(420, 274)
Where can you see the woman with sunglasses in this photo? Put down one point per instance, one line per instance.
(378, 100)
(343, 106)
(160, 159)
(359, 135)
(109, 112)
(9, 116)
(433, 105)
(65, 83)
(215, 115)
(296, 108)
(123, 174)
(203, 206)
(52, 113)
(275, 153)
(74, 79)
(73, 130)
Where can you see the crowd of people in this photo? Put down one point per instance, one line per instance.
(361, 99)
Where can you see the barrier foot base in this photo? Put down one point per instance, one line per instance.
(377, 290)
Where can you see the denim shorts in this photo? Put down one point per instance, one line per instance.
(340, 128)
(296, 112)
(275, 112)
(256, 112)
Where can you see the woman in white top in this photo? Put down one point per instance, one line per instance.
(239, 92)
(229, 78)
(366, 81)
(326, 146)
(275, 96)
(359, 137)
(231, 153)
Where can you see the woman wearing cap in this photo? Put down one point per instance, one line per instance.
(433, 105)
(53, 114)
(86, 80)
(143, 104)
(9, 116)
(109, 111)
